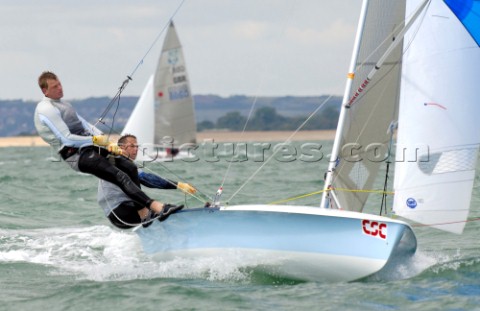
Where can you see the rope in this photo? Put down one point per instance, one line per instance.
(142, 222)
(363, 190)
(297, 197)
(321, 191)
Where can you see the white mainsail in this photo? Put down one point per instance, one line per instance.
(438, 135)
(368, 118)
(426, 85)
(165, 111)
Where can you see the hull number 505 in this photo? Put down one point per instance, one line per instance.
(374, 228)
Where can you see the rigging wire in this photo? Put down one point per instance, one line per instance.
(220, 189)
(158, 37)
(286, 141)
(216, 199)
(241, 135)
(116, 98)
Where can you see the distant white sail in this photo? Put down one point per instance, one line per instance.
(141, 121)
(166, 108)
(174, 112)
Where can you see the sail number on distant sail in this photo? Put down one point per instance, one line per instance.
(178, 92)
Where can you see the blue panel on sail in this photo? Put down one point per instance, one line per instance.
(468, 12)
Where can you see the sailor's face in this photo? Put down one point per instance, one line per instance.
(54, 89)
(130, 148)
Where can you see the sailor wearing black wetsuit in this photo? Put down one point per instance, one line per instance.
(120, 208)
(60, 126)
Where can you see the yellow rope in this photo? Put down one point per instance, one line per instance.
(295, 198)
(321, 191)
(369, 191)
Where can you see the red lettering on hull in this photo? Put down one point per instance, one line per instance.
(374, 228)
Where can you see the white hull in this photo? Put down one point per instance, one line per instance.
(298, 242)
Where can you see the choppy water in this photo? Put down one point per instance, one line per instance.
(58, 252)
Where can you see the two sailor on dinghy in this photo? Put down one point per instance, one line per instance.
(84, 147)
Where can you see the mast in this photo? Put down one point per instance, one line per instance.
(341, 120)
(347, 101)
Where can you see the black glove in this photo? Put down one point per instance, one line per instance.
(169, 209)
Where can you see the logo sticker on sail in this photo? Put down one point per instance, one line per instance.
(411, 202)
(178, 92)
(173, 57)
(374, 228)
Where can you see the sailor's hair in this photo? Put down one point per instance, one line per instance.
(46, 75)
(124, 137)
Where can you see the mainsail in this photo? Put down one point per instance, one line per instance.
(165, 111)
(371, 108)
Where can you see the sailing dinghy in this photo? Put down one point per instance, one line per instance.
(163, 119)
(413, 68)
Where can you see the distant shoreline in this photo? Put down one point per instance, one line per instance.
(218, 136)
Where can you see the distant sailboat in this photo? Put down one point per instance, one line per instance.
(414, 64)
(164, 117)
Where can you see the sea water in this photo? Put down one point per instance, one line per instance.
(58, 251)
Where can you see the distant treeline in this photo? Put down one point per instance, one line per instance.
(212, 112)
(267, 119)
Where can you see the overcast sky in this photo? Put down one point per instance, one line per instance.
(232, 47)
